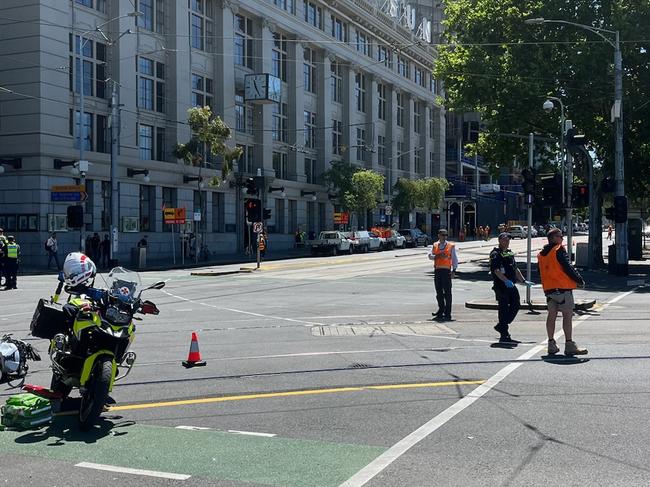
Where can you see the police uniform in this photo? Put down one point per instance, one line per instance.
(11, 263)
(507, 297)
(445, 262)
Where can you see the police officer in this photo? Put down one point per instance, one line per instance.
(11, 262)
(3, 254)
(504, 274)
(445, 262)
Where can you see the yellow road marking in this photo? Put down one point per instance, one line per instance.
(307, 392)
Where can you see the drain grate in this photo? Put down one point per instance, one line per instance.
(360, 366)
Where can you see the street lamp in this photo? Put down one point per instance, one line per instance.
(273, 189)
(617, 113)
(304, 193)
(16, 163)
(134, 172)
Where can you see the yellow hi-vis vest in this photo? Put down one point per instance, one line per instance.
(12, 251)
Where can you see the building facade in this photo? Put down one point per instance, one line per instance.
(356, 86)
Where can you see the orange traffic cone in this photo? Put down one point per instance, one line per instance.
(194, 357)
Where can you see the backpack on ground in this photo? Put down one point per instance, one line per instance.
(26, 411)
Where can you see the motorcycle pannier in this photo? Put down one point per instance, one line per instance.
(25, 411)
(48, 320)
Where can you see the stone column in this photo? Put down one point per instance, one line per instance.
(324, 116)
(349, 109)
(263, 112)
(296, 136)
(439, 143)
(371, 128)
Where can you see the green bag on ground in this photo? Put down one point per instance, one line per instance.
(24, 411)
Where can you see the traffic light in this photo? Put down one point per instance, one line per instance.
(267, 213)
(552, 190)
(528, 183)
(251, 187)
(608, 185)
(580, 196)
(574, 140)
(609, 213)
(75, 216)
(620, 209)
(253, 210)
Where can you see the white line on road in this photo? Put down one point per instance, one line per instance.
(380, 463)
(252, 433)
(133, 471)
(192, 428)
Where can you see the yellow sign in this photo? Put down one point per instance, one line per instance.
(174, 215)
(68, 188)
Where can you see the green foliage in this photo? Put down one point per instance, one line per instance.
(338, 178)
(366, 187)
(419, 193)
(211, 132)
(499, 66)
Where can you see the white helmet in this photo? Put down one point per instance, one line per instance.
(78, 268)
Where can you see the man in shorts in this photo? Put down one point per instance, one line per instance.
(559, 279)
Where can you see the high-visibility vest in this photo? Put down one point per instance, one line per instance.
(444, 261)
(12, 251)
(551, 272)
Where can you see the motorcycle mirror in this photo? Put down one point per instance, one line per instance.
(148, 308)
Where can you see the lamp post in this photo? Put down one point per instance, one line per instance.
(617, 113)
(548, 107)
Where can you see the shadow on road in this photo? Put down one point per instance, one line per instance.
(65, 429)
(564, 360)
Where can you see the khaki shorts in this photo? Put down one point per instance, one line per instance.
(562, 301)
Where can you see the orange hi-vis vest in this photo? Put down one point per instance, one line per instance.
(262, 244)
(445, 260)
(551, 272)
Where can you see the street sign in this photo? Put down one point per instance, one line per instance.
(174, 216)
(341, 218)
(197, 216)
(257, 227)
(388, 210)
(68, 192)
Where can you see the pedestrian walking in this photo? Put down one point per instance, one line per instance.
(504, 275)
(445, 262)
(487, 232)
(105, 249)
(52, 249)
(559, 279)
(11, 263)
(95, 243)
(88, 247)
(609, 232)
(3, 254)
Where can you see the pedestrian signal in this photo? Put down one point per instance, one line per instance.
(253, 209)
(251, 187)
(528, 183)
(552, 190)
(580, 196)
(620, 209)
(75, 216)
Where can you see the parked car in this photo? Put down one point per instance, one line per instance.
(399, 241)
(331, 242)
(517, 231)
(363, 241)
(533, 231)
(415, 237)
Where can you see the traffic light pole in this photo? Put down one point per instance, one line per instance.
(569, 204)
(529, 204)
(619, 174)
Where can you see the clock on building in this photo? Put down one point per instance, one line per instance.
(262, 88)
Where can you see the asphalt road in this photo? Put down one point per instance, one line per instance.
(329, 371)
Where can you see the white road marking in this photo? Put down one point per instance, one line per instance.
(192, 428)
(133, 471)
(380, 463)
(252, 433)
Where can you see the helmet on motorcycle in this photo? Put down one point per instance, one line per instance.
(78, 268)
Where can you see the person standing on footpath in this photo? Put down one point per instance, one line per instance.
(445, 262)
(52, 247)
(559, 279)
(11, 263)
(504, 274)
(105, 247)
(3, 254)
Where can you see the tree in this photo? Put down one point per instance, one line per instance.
(338, 178)
(366, 187)
(210, 133)
(502, 68)
(419, 193)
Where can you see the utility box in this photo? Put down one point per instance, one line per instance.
(582, 254)
(635, 238)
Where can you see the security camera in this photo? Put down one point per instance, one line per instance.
(548, 106)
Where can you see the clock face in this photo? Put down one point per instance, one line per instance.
(275, 89)
(256, 87)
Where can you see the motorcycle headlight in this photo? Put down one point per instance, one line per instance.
(117, 316)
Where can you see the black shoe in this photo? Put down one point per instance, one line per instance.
(447, 318)
(507, 339)
(440, 318)
(501, 329)
(437, 314)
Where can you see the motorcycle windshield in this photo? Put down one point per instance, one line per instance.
(124, 285)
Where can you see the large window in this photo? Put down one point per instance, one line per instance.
(310, 170)
(401, 156)
(280, 165)
(93, 72)
(420, 77)
(96, 4)
(310, 129)
(75, 129)
(385, 55)
(201, 26)
(381, 150)
(152, 15)
(417, 116)
(313, 14)
(285, 4)
(279, 56)
(403, 66)
(280, 118)
(363, 43)
(151, 85)
(337, 137)
(169, 201)
(400, 110)
(243, 114)
(361, 144)
(417, 160)
(360, 91)
(381, 101)
(336, 82)
(96, 135)
(145, 141)
(309, 70)
(293, 216)
(432, 125)
(201, 205)
(218, 212)
(147, 205)
(246, 161)
(202, 91)
(339, 29)
(243, 41)
(433, 86)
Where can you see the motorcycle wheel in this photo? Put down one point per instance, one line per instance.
(57, 385)
(93, 401)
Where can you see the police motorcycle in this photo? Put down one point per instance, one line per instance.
(14, 354)
(90, 335)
